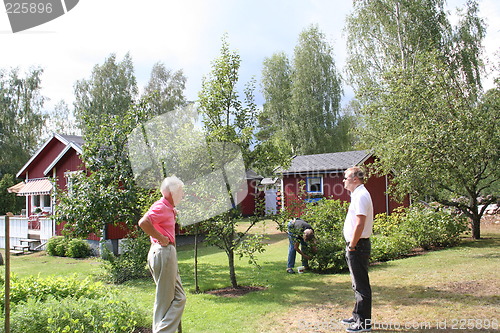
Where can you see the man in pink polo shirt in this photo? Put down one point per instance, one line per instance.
(159, 224)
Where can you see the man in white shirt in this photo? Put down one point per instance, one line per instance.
(358, 227)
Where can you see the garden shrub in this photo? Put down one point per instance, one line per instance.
(78, 248)
(394, 235)
(68, 304)
(106, 314)
(56, 246)
(327, 219)
(131, 264)
(39, 289)
(387, 225)
(388, 240)
(431, 228)
(390, 247)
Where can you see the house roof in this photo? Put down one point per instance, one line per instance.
(74, 141)
(250, 174)
(269, 181)
(320, 163)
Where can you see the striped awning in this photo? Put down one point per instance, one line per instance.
(16, 188)
(36, 187)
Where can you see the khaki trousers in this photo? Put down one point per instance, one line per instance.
(170, 298)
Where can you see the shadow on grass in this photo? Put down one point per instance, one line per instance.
(420, 295)
(485, 241)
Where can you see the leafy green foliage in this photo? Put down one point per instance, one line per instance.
(106, 314)
(68, 304)
(21, 118)
(56, 246)
(229, 121)
(392, 246)
(9, 202)
(394, 236)
(78, 248)
(167, 87)
(129, 265)
(421, 102)
(302, 110)
(40, 289)
(109, 193)
(431, 228)
(327, 219)
(61, 246)
(109, 92)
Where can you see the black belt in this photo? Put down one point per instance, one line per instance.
(361, 239)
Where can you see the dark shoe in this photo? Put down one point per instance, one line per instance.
(348, 321)
(289, 270)
(357, 327)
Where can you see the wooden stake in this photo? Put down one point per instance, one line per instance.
(7, 272)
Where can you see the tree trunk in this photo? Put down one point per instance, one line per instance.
(197, 287)
(232, 272)
(476, 226)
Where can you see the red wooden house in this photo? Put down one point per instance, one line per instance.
(322, 177)
(53, 165)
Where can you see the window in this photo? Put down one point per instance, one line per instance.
(314, 185)
(71, 179)
(45, 201)
(36, 201)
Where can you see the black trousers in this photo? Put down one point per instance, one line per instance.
(358, 261)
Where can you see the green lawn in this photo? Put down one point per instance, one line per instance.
(452, 285)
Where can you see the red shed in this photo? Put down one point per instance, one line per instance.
(247, 205)
(322, 177)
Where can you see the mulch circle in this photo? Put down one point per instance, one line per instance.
(234, 292)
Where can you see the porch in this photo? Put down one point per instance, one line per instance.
(27, 233)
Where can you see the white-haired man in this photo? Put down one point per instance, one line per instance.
(159, 224)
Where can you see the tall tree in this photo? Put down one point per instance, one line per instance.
(387, 34)
(303, 96)
(423, 112)
(167, 87)
(316, 94)
(9, 202)
(229, 124)
(277, 91)
(61, 120)
(110, 91)
(107, 194)
(21, 119)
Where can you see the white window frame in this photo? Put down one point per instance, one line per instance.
(69, 175)
(308, 184)
(44, 202)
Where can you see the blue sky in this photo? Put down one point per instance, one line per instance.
(183, 34)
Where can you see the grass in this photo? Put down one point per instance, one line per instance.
(424, 291)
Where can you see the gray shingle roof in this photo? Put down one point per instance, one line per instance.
(74, 138)
(326, 162)
(250, 174)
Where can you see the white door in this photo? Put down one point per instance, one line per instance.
(270, 197)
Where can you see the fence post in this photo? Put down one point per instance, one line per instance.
(7, 272)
